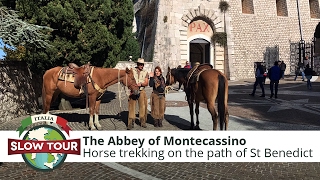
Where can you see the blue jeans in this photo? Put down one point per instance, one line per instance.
(275, 84)
(309, 82)
(259, 80)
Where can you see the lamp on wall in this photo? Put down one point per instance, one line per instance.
(130, 58)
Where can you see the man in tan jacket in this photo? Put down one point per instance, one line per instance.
(142, 78)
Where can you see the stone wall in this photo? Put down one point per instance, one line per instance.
(255, 33)
(17, 93)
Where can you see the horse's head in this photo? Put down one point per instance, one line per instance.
(80, 75)
(170, 77)
(129, 81)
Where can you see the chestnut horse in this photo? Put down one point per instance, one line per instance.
(209, 85)
(96, 80)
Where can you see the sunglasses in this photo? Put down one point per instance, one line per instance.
(140, 64)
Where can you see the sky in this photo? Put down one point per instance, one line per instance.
(2, 54)
(1, 51)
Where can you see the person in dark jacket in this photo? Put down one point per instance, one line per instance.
(158, 101)
(259, 80)
(274, 76)
(282, 68)
(308, 74)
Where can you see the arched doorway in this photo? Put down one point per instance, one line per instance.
(199, 51)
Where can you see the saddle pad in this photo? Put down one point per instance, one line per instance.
(66, 76)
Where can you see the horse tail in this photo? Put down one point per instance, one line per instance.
(221, 100)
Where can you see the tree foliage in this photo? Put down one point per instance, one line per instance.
(96, 31)
(220, 38)
(16, 54)
(15, 32)
(224, 6)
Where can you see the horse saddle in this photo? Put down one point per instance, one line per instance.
(194, 73)
(68, 73)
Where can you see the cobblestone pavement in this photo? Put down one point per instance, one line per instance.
(295, 104)
(292, 93)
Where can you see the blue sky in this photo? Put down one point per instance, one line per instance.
(2, 54)
(1, 51)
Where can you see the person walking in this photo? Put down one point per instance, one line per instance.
(157, 100)
(142, 79)
(274, 76)
(259, 80)
(308, 74)
(297, 71)
(283, 69)
(302, 72)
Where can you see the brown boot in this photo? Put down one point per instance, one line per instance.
(156, 123)
(130, 124)
(160, 123)
(143, 122)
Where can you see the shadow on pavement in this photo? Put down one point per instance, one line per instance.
(81, 102)
(177, 121)
(83, 118)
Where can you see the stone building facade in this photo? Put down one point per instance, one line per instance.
(257, 30)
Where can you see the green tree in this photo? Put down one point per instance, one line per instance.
(16, 54)
(93, 31)
(15, 32)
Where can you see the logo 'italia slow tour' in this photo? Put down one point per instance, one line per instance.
(44, 147)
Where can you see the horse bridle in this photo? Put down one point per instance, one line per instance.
(131, 84)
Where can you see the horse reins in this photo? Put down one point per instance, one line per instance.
(120, 90)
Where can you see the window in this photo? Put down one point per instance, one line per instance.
(314, 9)
(247, 6)
(282, 8)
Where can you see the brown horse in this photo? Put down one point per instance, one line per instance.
(203, 83)
(95, 79)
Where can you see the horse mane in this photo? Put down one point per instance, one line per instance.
(181, 71)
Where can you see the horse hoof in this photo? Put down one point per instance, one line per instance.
(98, 126)
(92, 127)
(197, 128)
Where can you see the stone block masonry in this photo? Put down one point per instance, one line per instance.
(17, 92)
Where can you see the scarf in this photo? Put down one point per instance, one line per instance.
(159, 81)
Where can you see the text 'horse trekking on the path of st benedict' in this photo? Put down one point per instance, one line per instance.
(202, 83)
(74, 81)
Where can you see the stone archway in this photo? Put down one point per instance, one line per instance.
(199, 14)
